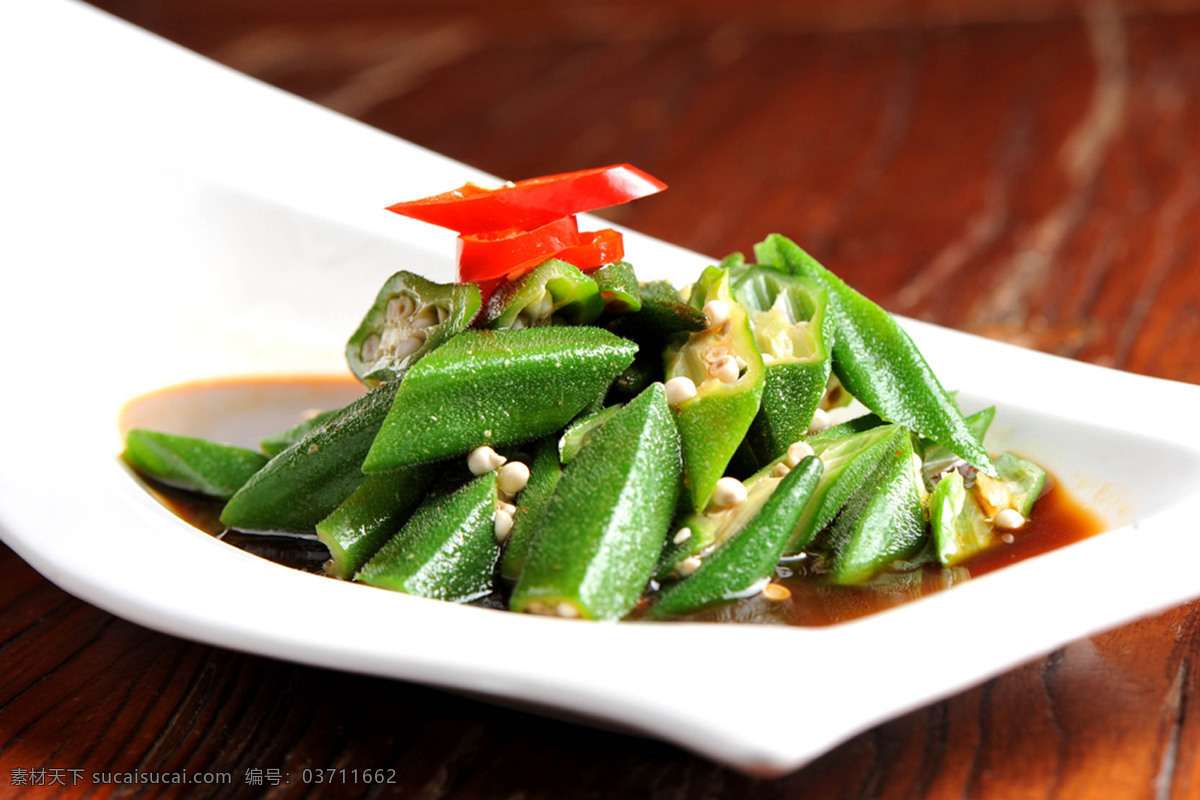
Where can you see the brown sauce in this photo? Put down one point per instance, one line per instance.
(1057, 519)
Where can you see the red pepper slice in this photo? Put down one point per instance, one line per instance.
(493, 255)
(595, 249)
(531, 204)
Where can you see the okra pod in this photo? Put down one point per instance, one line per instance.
(495, 388)
(370, 516)
(604, 527)
(410, 317)
(554, 291)
(742, 564)
(185, 462)
(877, 361)
(724, 372)
(544, 474)
(618, 287)
(447, 550)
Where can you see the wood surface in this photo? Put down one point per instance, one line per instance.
(1025, 170)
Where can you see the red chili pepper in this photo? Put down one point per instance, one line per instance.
(595, 249)
(531, 204)
(492, 255)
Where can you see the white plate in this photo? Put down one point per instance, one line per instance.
(174, 220)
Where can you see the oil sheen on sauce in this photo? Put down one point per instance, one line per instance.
(241, 411)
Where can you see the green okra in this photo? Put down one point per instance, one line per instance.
(936, 459)
(1018, 483)
(447, 550)
(305, 483)
(794, 333)
(604, 527)
(740, 565)
(883, 522)
(713, 422)
(370, 516)
(275, 444)
(197, 465)
(849, 462)
(544, 474)
(554, 291)
(877, 361)
(618, 287)
(410, 317)
(957, 525)
(495, 388)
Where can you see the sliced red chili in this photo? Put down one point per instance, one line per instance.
(595, 249)
(492, 255)
(530, 204)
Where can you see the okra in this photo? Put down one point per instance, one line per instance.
(878, 362)
(544, 474)
(410, 317)
(370, 516)
(742, 564)
(185, 462)
(794, 334)
(618, 287)
(578, 432)
(554, 291)
(883, 522)
(723, 367)
(275, 444)
(963, 519)
(604, 527)
(447, 550)
(496, 388)
(305, 483)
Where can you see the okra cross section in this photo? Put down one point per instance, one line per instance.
(495, 388)
(604, 527)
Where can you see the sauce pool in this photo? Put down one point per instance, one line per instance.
(243, 410)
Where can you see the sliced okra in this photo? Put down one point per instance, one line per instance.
(878, 362)
(618, 287)
(715, 383)
(370, 516)
(554, 291)
(883, 522)
(966, 518)
(794, 332)
(185, 462)
(544, 474)
(495, 388)
(447, 550)
(741, 565)
(849, 462)
(410, 317)
(305, 483)
(604, 527)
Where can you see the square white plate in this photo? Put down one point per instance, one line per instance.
(169, 220)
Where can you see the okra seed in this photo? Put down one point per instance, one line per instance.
(399, 308)
(729, 492)
(502, 524)
(680, 389)
(483, 460)
(725, 369)
(717, 312)
(506, 507)
(780, 470)
(776, 592)
(567, 610)
(682, 535)
(1007, 538)
(820, 421)
(797, 452)
(425, 319)
(688, 566)
(1009, 519)
(513, 477)
(370, 348)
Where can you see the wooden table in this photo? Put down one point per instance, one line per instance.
(1025, 170)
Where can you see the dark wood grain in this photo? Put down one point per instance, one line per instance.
(1029, 171)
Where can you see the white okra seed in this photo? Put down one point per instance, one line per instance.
(688, 566)
(729, 492)
(717, 312)
(513, 477)
(725, 369)
(797, 452)
(820, 421)
(680, 389)
(780, 470)
(565, 609)
(483, 460)
(502, 524)
(682, 535)
(1009, 519)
